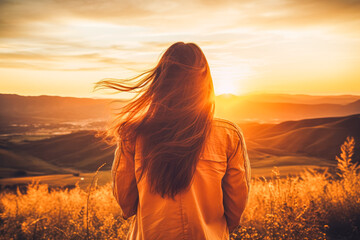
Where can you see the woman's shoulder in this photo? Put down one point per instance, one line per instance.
(220, 123)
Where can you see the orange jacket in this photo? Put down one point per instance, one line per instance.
(210, 209)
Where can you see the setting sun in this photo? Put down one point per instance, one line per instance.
(230, 79)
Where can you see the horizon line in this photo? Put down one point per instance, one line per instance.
(217, 95)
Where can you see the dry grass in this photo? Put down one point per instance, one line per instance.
(312, 206)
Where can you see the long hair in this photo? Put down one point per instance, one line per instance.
(172, 113)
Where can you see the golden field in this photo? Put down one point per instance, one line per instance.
(313, 205)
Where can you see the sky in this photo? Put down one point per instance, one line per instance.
(62, 47)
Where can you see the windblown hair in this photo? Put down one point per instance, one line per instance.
(172, 113)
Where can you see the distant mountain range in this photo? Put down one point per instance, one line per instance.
(296, 98)
(280, 130)
(36, 109)
(272, 108)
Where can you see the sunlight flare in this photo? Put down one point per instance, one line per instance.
(230, 79)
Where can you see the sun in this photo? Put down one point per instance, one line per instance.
(229, 80)
(226, 87)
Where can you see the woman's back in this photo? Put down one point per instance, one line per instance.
(209, 208)
(182, 173)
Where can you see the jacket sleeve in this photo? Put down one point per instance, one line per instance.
(123, 180)
(236, 184)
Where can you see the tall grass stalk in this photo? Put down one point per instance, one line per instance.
(88, 199)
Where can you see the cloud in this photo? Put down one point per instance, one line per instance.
(22, 18)
(128, 12)
(30, 60)
(131, 33)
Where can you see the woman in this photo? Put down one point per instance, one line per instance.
(183, 174)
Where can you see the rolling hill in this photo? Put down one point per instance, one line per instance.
(77, 152)
(305, 142)
(309, 142)
(52, 135)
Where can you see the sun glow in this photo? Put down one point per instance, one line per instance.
(230, 80)
(226, 87)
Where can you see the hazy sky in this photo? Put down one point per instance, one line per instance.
(62, 47)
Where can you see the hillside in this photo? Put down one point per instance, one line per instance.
(306, 143)
(319, 137)
(80, 151)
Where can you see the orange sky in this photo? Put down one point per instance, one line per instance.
(63, 47)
